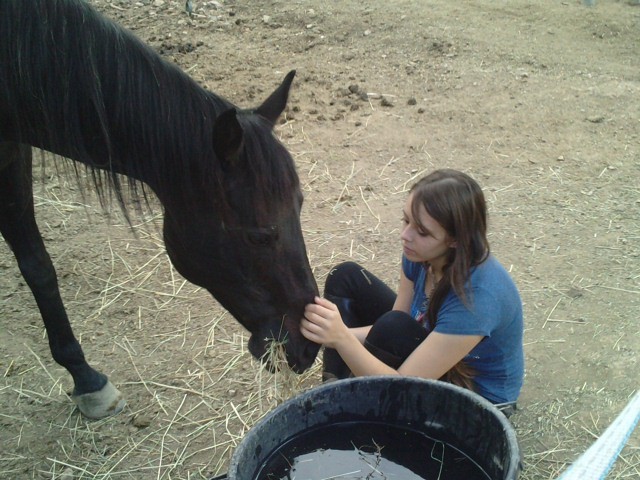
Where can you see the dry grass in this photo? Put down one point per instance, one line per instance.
(194, 389)
(564, 205)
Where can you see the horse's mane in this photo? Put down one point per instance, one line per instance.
(79, 85)
(269, 180)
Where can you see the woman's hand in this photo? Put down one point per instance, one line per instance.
(323, 324)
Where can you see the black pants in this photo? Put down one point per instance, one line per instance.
(363, 300)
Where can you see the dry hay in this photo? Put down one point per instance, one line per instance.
(209, 392)
(515, 121)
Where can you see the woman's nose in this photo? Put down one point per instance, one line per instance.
(405, 233)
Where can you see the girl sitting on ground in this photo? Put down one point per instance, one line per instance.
(457, 315)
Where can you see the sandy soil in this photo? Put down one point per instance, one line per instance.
(537, 100)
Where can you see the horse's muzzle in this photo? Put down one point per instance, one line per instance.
(298, 354)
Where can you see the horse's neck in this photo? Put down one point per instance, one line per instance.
(108, 101)
(154, 117)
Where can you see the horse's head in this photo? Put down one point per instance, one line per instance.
(246, 246)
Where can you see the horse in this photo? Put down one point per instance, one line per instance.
(78, 85)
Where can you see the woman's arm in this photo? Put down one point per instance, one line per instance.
(322, 324)
(436, 355)
(402, 303)
(360, 332)
(405, 294)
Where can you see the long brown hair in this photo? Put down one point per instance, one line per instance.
(456, 202)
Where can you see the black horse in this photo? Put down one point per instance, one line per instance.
(78, 85)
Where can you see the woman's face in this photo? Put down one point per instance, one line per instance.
(428, 243)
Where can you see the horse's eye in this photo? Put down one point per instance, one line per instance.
(263, 237)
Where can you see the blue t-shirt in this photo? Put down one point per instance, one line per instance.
(495, 312)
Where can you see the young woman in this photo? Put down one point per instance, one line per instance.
(457, 315)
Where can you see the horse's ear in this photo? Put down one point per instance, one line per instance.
(227, 136)
(274, 105)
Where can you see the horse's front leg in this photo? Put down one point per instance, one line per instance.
(95, 396)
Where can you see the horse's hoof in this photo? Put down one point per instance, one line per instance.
(103, 403)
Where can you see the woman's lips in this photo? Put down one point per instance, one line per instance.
(408, 252)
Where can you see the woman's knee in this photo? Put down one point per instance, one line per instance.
(338, 281)
(392, 324)
(396, 332)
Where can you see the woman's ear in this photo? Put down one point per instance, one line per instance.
(452, 243)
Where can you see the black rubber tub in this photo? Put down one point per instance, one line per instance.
(454, 415)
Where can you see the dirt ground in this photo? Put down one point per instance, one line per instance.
(539, 101)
